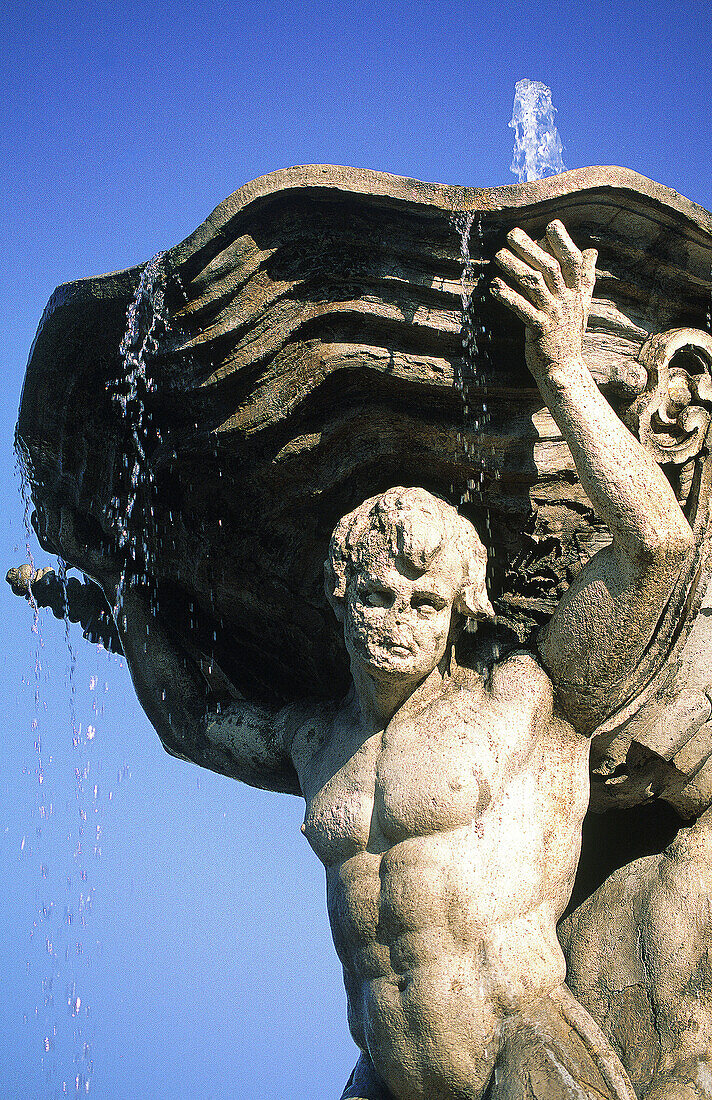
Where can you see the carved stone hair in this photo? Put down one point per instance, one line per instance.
(415, 525)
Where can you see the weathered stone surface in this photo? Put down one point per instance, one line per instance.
(312, 359)
(638, 953)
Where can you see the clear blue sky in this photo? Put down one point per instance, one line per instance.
(204, 966)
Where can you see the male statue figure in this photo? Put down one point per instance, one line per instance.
(446, 805)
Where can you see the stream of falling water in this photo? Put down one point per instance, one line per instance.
(55, 846)
(469, 379)
(147, 321)
(472, 379)
(64, 861)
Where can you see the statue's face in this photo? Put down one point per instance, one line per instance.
(396, 622)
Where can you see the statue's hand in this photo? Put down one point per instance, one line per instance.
(21, 578)
(551, 293)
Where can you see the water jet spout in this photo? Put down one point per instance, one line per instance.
(537, 145)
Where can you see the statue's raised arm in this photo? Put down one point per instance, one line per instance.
(609, 614)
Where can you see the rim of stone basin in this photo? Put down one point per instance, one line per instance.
(370, 182)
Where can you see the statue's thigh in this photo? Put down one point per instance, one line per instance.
(363, 1084)
(555, 1051)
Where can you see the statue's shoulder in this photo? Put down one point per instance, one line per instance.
(313, 724)
(511, 710)
(519, 678)
(510, 675)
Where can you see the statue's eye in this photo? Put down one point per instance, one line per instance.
(376, 597)
(427, 605)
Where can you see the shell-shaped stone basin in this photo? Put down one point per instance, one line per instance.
(313, 356)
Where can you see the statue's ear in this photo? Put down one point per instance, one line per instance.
(337, 606)
(333, 591)
(473, 602)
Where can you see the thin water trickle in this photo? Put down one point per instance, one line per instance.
(147, 322)
(57, 848)
(471, 380)
(71, 668)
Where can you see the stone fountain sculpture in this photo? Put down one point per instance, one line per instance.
(327, 337)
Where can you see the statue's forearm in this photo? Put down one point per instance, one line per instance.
(624, 483)
(165, 679)
(241, 740)
(607, 616)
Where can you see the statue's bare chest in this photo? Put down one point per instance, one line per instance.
(427, 773)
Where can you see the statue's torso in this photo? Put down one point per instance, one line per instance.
(450, 842)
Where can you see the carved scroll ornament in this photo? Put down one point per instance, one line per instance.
(673, 415)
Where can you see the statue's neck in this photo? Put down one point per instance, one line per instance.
(380, 698)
